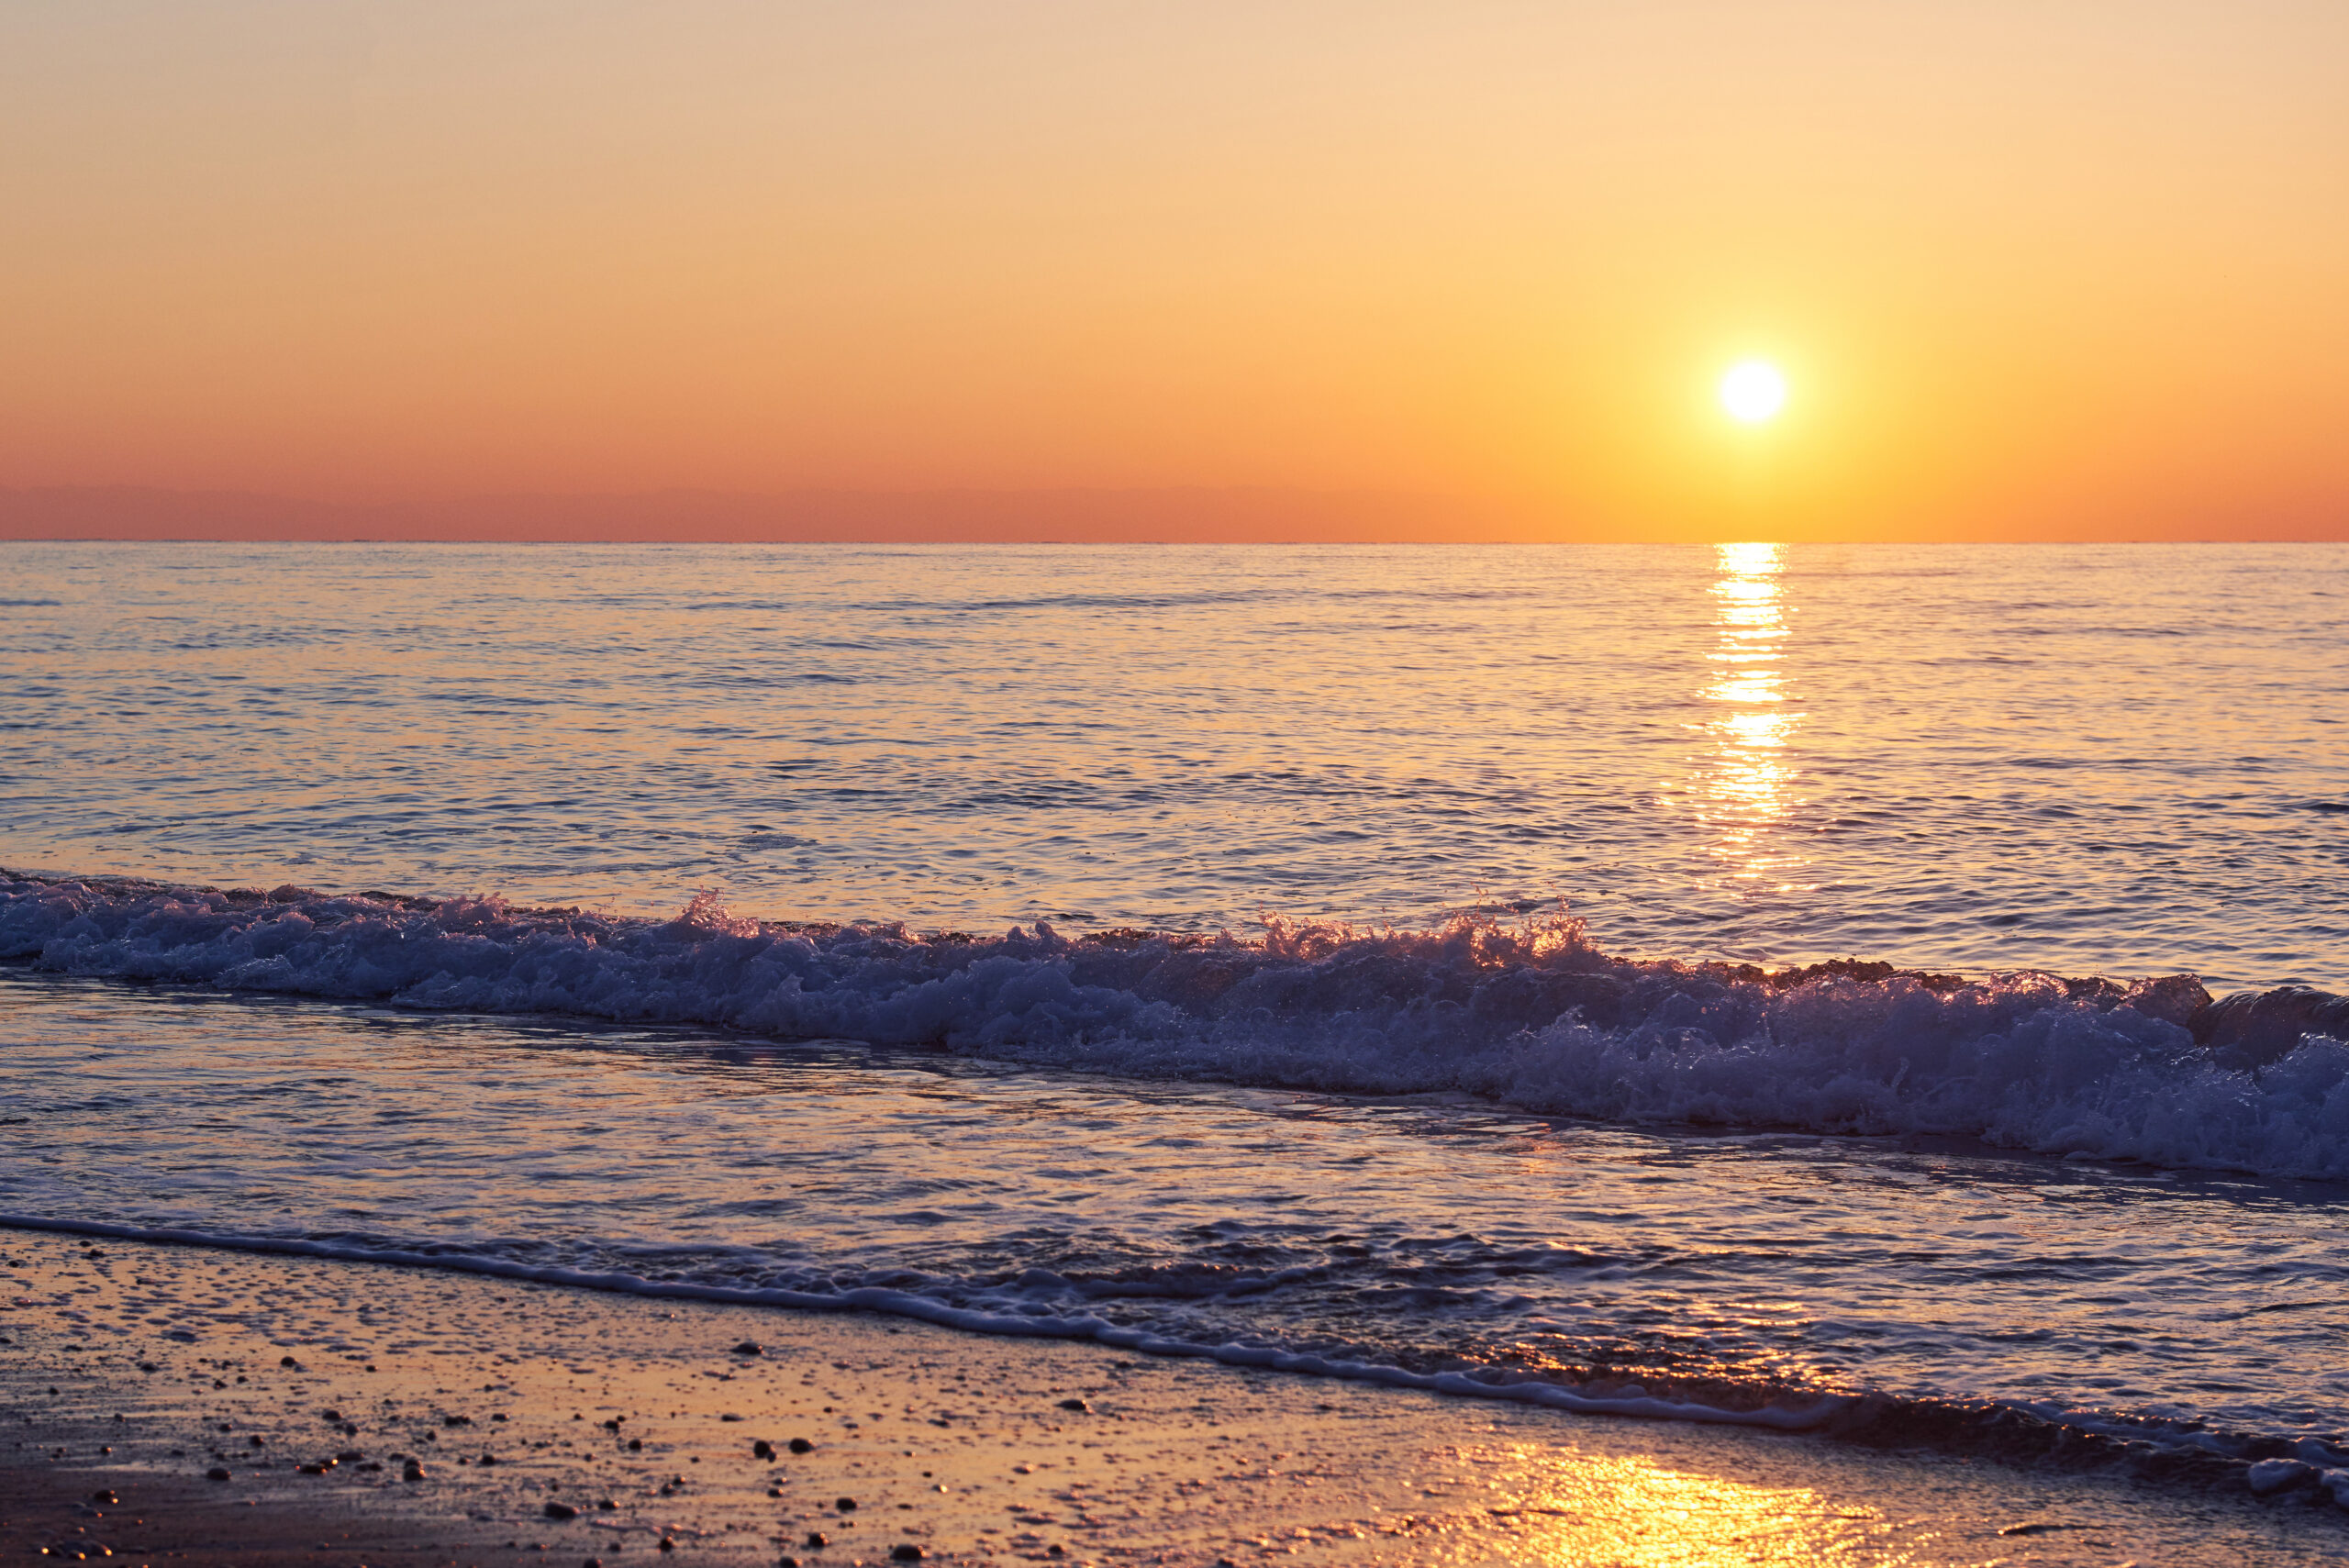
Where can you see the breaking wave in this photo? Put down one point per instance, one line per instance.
(1529, 1014)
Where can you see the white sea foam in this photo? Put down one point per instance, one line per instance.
(1530, 1014)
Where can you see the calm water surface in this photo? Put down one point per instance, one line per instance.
(2125, 760)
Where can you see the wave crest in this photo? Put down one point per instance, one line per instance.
(1527, 1012)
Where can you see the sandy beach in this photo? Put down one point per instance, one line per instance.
(170, 1403)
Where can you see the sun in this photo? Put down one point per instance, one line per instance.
(1752, 391)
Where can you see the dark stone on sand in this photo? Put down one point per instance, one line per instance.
(106, 1496)
(1075, 1405)
(414, 1472)
(786, 1561)
(801, 1445)
(335, 1416)
(318, 1468)
(257, 1440)
(605, 1503)
(218, 1472)
(750, 1348)
(763, 1449)
(456, 1420)
(668, 1545)
(561, 1511)
(289, 1360)
(348, 1456)
(489, 1459)
(905, 1552)
(845, 1504)
(818, 1537)
(636, 1445)
(592, 1562)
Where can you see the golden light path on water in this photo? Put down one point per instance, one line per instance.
(1745, 786)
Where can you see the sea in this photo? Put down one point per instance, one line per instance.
(1887, 992)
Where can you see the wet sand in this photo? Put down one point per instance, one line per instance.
(180, 1404)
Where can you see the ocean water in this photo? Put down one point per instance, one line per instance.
(1401, 963)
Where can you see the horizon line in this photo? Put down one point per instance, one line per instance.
(1133, 514)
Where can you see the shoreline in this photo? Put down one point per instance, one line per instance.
(121, 1362)
(1816, 1412)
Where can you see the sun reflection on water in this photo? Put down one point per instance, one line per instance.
(1576, 1509)
(1746, 785)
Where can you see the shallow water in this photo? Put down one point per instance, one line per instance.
(1736, 1271)
(2002, 1215)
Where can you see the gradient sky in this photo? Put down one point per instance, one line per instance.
(2033, 269)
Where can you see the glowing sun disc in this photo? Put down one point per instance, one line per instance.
(1752, 391)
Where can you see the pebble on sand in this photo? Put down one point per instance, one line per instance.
(905, 1552)
(561, 1511)
(800, 1445)
(750, 1348)
(845, 1504)
(1075, 1405)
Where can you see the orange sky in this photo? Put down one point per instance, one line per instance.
(2034, 270)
